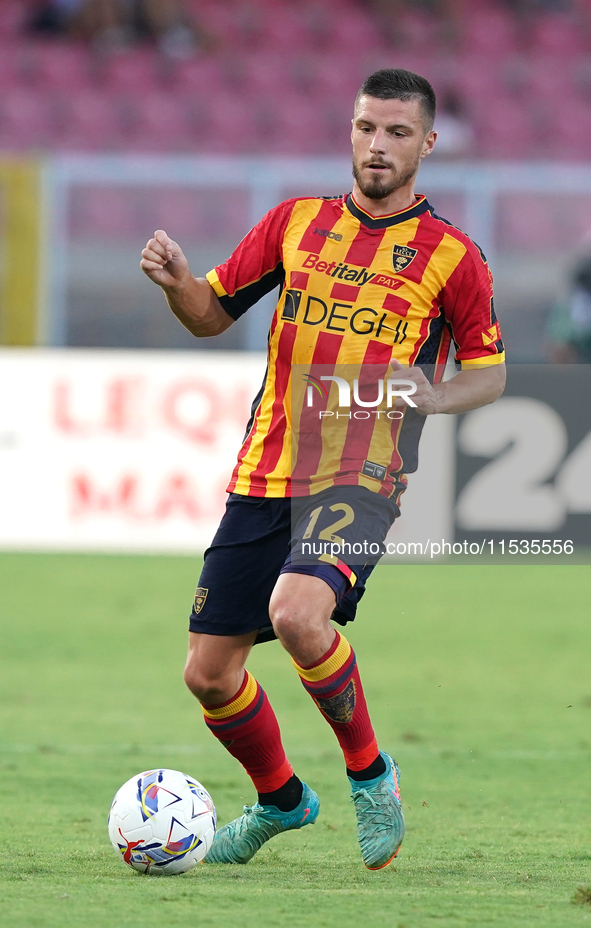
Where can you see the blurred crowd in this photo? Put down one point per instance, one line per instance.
(115, 24)
(398, 18)
(278, 77)
(247, 75)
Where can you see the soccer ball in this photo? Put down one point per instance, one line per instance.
(162, 822)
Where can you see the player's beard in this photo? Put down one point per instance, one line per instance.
(376, 189)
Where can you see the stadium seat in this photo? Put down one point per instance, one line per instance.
(329, 76)
(567, 130)
(223, 22)
(11, 66)
(353, 30)
(413, 31)
(293, 126)
(284, 29)
(336, 129)
(200, 75)
(269, 71)
(92, 122)
(58, 65)
(13, 17)
(477, 78)
(25, 120)
(223, 124)
(134, 71)
(489, 31)
(504, 129)
(557, 34)
(550, 75)
(157, 121)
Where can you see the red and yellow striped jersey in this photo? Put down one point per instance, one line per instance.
(354, 290)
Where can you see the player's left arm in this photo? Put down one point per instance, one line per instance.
(467, 304)
(469, 389)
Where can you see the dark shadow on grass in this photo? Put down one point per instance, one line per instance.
(582, 895)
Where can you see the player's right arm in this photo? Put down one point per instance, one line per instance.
(192, 299)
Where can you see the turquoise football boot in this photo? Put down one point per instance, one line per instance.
(238, 841)
(380, 823)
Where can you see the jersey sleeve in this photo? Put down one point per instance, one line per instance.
(469, 310)
(256, 266)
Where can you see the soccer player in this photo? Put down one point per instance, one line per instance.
(375, 280)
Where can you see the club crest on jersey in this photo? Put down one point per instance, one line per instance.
(402, 256)
(339, 708)
(200, 597)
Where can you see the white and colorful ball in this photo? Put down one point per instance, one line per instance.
(162, 822)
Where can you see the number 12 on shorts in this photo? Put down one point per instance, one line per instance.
(329, 533)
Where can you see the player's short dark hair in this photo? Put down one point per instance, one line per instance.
(398, 84)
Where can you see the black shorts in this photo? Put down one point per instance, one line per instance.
(337, 535)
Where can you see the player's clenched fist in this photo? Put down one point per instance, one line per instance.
(424, 397)
(163, 261)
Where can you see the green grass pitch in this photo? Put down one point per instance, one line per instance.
(478, 682)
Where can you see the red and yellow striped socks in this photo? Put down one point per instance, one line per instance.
(246, 725)
(334, 684)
